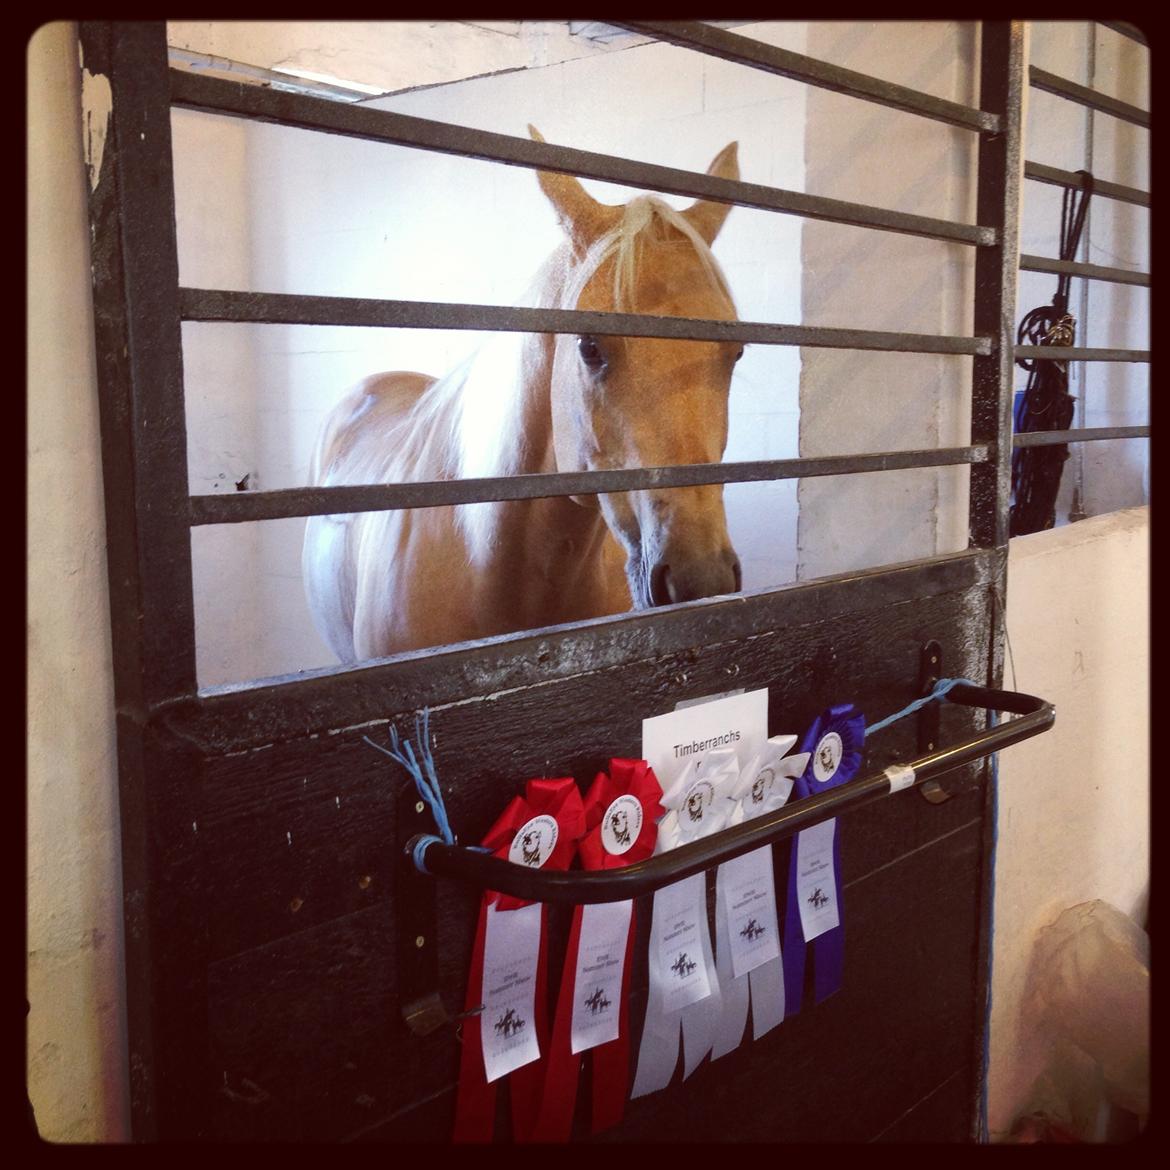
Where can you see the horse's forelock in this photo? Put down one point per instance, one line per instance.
(644, 218)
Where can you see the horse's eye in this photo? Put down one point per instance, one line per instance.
(590, 353)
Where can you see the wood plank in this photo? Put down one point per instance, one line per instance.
(290, 832)
(304, 1049)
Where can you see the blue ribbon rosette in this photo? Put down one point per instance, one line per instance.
(813, 912)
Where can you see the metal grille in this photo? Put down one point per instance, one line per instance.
(993, 237)
(168, 728)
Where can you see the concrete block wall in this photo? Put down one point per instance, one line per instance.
(853, 400)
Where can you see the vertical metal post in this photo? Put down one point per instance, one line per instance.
(127, 124)
(127, 136)
(996, 268)
(1002, 78)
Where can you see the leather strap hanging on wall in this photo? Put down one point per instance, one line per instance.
(1045, 403)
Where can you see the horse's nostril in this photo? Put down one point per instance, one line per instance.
(659, 587)
(737, 572)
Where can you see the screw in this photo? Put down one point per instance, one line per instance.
(419, 806)
(364, 881)
(419, 941)
(295, 905)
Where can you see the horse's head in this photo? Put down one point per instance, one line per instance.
(648, 402)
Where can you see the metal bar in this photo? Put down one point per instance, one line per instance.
(1126, 29)
(1076, 353)
(1088, 271)
(236, 99)
(1080, 435)
(294, 309)
(1002, 60)
(1083, 95)
(998, 202)
(1059, 178)
(693, 34)
(239, 507)
(644, 877)
(140, 376)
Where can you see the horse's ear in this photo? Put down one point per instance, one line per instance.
(705, 216)
(581, 216)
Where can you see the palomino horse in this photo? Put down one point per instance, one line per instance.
(383, 582)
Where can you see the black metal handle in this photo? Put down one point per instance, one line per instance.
(643, 877)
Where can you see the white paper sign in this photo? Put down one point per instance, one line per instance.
(816, 883)
(680, 966)
(605, 927)
(507, 1023)
(670, 741)
(749, 901)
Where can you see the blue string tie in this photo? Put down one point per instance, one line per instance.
(940, 688)
(426, 781)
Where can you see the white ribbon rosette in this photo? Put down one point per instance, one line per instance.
(747, 937)
(700, 802)
(684, 984)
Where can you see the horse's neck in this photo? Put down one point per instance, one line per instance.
(505, 428)
(505, 420)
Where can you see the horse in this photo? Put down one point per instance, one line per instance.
(381, 583)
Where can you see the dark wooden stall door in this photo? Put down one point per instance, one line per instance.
(298, 873)
(270, 913)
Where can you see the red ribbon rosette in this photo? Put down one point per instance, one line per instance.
(475, 1107)
(621, 811)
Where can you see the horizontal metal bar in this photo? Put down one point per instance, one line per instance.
(1088, 271)
(1081, 435)
(1083, 95)
(644, 877)
(236, 99)
(1126, 29)
(200, 304)
(1058, 178)
(1075, 353)
(238, 507)
(716, 42)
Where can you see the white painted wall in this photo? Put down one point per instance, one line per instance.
(76, 1043)
(1074, 813)
(267, 208)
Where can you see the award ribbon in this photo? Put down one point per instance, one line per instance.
(621, 811)
(813, 912)
(747, 936)
(507, 972)
(684, 986)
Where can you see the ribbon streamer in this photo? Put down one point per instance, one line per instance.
(834, 743)
(621, 811)
(515, 836)
(764, 785)
(684, 987)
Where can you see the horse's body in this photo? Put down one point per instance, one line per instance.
(383, 582)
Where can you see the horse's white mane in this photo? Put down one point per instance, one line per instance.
(485, 390)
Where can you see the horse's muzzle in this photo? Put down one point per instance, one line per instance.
(689, 580)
